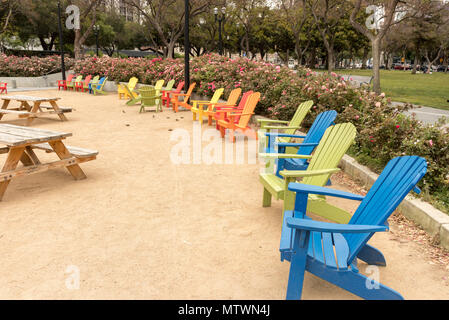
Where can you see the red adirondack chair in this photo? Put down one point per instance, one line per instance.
(3, 87)
(63, 83)
(166, 94)
(222, 111)
(244, 116)
(83, 85)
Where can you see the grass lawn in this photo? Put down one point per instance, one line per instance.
(430, 90)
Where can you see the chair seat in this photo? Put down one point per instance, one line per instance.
(321, 246)
(295, 164)
(273, 184)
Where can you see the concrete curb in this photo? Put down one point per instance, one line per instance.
(432, 220)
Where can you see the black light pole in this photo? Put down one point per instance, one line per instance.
(186, 46)
(61, 41)
(96, 30)
(220, 20)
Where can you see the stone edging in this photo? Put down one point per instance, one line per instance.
(432, 220)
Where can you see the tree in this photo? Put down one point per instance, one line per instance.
(88, 17)
(167, 18)
(375, 36)
(328, 15)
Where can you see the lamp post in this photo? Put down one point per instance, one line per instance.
(220, 19)
(96, 28)
(186, 45)
(61, 43)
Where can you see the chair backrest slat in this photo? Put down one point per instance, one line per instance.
(397, 179)
(87, 80)
(132, 83)
(217, 95)
(248, 110)
(189, 92)
(179, 87)
(299, 116)
(333, 145)
(317, 130)
(234, 96)
(170, 85)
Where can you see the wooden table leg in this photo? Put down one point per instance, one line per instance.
(58, 111)
(62, 152)
(14, 155)
(26, 160)
(32, 155)
(35, 109)
(4, 106)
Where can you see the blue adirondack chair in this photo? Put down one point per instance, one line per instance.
(306, 147)
(309, 245)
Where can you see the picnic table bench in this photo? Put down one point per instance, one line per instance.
(20, 145)
(31, 107)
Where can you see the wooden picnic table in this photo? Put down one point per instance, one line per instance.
(31, 107)
(20, 145)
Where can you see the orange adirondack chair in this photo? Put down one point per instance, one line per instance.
(185, 103)
(63, 83)
(231, 102)
(82, 85)
(166, 94)
(218, 115)
(244, 116)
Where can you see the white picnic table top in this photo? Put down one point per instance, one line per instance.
(13, 135)
(29, 98)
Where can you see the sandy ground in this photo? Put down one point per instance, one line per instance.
(141, 227)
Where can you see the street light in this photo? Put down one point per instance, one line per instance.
(96, 28)
(186, 45)
(61, 43)
(220, 20)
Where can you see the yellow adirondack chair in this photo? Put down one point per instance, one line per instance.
(197, 105)
(323, 163)
(123, 93)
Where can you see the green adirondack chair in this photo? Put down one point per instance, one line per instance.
(134, 98)
(71, 84)
(93, 83)
(149, 97)
(287, 127)
(323, 163)
(99, 87)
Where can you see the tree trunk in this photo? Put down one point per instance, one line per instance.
(365, 58)
(375, 46)
(77, 46)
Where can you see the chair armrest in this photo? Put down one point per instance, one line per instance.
(272, 121)
(284, 156)
(284, 135)
(312, 225)
(307, 188)
(280, 127)
(306, 173)
(291, 144)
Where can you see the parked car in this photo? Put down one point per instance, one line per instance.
(442, 68)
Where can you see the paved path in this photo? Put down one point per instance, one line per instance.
(427, 115)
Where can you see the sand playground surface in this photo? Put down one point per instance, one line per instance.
(142, 227)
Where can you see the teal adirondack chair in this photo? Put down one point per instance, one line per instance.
(99, 87)
(310, 245)
(306, 147)
(150, 97)
(288, 127)
(323, 163)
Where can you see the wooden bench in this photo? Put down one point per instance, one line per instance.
(75, 151)
(20, 113)
(63, 109)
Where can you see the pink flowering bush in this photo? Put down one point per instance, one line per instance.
(12, 66)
